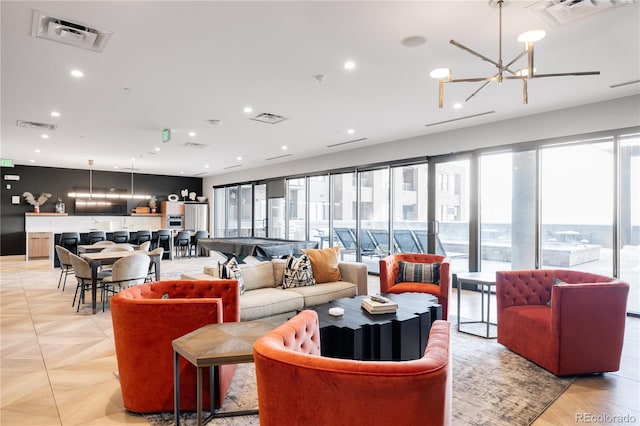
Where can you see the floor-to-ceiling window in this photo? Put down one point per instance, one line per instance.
(344, 188)
(260, 210)
(373, 215)
(629, 225)
(220, 212)
(296, 209)
(319, 209)
(409, 206)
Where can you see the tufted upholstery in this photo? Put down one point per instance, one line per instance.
(389, 272)
(581, 333)
(145, 324)
(297, 386)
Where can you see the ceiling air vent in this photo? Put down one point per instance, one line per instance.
(347, 142)
(69, 32)
(232, 167)
(34, 125)
(560, 12)
(265, 117)
(196, 145)
(279, 156)
(458, 119)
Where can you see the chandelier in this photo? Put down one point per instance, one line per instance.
(505, 72)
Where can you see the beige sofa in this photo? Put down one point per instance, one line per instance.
(264, 296)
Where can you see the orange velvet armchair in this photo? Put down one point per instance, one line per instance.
(298, 386)
(580, 333)
(389, 274)
(147, 318)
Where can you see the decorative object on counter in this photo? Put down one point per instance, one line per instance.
(192, 196)
(202, 199)
(185, 194)
(59, 206)
(172, 197)
(36, 203)
(153, 203)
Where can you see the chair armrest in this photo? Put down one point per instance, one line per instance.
(356, 273)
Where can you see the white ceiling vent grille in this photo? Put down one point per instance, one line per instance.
(196, 145)
(69, 32)
(265, 117)
(560, 12)
(34, 125)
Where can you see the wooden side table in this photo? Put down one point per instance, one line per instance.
(484, 281)
(211, 345)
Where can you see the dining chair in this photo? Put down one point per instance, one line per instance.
(145, 246)
(128, 271)
(65, 265)
(163, 239)
(95, 236)
(70, 241)
(82, 271)
(143, 236)
(103, 243)
(121, 237)
(117, 247)
(193, 246)
(183, 240)
(159, 251)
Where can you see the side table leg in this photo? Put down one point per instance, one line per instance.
(459, 286)
(199, 396)
(488, 309)
(176, 389)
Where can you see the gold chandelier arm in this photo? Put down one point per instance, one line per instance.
(486, 83)
(567, 74)
(506, 68)
(525, 93)
(473, 52)
(474, 79)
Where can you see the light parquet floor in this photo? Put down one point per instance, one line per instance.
(57, 366)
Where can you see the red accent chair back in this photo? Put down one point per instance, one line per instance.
(298, 386)
(145, 324)
(580, 333)
(389, 273)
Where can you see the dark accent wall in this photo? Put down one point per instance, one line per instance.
(59, 182)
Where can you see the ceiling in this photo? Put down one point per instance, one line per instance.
(179, 65)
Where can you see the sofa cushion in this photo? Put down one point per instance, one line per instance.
(324, 293)
(267, 302)
(324, 263)
(298, 272)
(418, 272)
(258, 275)
(230, 270)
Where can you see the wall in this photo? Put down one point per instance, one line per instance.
(59, 182)
(615, 114)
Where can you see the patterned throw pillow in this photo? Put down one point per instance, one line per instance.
(230, 270)
(298, 272)
(418, 272)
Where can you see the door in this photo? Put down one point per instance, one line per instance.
(260, 211)
(275, 218)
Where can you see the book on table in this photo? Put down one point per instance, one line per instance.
(375, 307)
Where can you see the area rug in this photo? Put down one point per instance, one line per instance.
(491, 386)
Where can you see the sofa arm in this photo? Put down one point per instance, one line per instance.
(356, 273)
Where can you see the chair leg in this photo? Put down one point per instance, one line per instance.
(61, 272)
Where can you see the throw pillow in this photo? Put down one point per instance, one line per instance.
(298, 272)
(324, 263)
(556, 281)
(230, 270)
(418, 272)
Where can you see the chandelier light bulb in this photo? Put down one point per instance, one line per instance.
(532, 36)
(440, 73)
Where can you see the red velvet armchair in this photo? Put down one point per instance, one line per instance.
(147, 318)
(389, 273)
(580, 333)
(297, 386)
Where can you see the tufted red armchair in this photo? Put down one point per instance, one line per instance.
(297, 386)
(145, 324)
(580, 333)
(389, 273)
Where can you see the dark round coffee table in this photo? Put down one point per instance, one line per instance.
(360, 335)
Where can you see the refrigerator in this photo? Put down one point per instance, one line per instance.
(196, 217)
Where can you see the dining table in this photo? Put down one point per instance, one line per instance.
(97, 259)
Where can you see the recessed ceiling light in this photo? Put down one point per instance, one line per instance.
(77, 73)
(239, 158)
(32, 161)
(457, 105)
(36, 150)
(157, 148)
(206, 166)
(116, 167)
(284, 147)
(349, 65)
(350, 131)
(181, 173)
(43, 136)
(248, 109)
(413, 41)
(55, 114)
(192, 134)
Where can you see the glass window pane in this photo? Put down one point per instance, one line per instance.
(296, 206)
(577, 207)
(409, 210)
(319, 209)
(374, 215)
(232, 212)
(344, 213)
(630, 218)
(260, 211)
(220, 211)
(452, 212)
(245, 211)
(507, 211)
